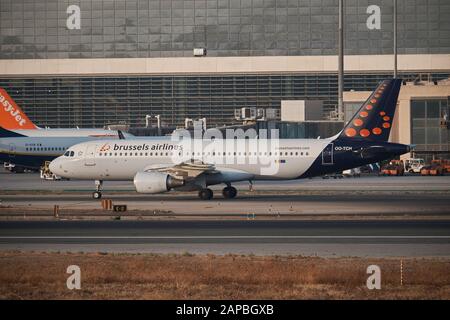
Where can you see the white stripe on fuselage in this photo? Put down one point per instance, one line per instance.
(121, 160)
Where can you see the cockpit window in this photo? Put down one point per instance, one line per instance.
(67, 154)
(72, 153)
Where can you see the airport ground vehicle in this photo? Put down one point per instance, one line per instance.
(393, 168)
(446, 166)
(11, 167)
(354, 172)
(46, 174)
(336, 175)
(438, 167)
(414, 165)
(157, 166)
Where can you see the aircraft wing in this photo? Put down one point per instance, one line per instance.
(198, 172)
(185, 170)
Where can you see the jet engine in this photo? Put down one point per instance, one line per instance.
(155, 182)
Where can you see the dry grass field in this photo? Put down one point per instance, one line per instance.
(151, 276)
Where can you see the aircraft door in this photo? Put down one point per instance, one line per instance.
(89, 157)
(12, 150)
(327, 155)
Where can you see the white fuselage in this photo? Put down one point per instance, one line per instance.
(121, 160)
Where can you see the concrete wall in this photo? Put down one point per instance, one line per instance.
(301, 110)
(212, 65)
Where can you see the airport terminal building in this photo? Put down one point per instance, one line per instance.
(90, 63)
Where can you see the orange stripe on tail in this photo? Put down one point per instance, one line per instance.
(11, 116)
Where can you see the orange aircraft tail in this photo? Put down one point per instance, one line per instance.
(11, 116)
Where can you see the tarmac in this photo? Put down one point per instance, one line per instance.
(310, 238)
(369, 217)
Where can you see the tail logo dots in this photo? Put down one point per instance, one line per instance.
(376, 131)
(364, 133)
(350, 132)
(363, 114)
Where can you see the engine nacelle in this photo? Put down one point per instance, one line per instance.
(155, 182)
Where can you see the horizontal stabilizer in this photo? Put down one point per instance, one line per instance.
(371, 151)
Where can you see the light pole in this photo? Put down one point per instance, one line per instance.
(341, 62)
(395, 38)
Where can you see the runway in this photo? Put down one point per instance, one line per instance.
(321, 238)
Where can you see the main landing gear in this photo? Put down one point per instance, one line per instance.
(205, 194)
(98, 185)
(228, 192)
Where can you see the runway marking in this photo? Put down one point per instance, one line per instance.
(220, 237)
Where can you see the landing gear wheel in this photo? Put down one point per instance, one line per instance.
(96, 195)
(205, 194)
(229, 192)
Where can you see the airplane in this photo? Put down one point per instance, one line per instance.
(23, 145)
(194, 164)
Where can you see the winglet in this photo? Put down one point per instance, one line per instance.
(120, 134)
(11, 116)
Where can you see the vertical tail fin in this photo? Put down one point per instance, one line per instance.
(11, 116)
(373, 120)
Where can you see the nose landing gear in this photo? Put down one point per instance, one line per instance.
(98, 185)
